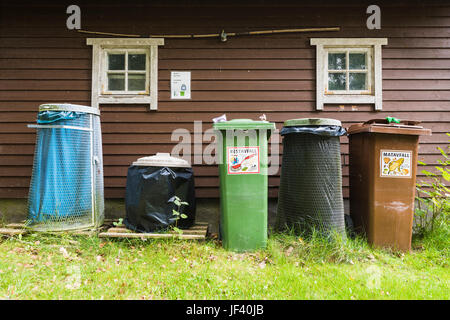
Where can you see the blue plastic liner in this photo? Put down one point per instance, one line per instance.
(61, 180)
(53, 116)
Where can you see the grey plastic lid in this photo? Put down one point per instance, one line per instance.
(312, 122)
(68, 107)
(161, 160)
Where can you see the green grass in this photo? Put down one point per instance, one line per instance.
(41, 266)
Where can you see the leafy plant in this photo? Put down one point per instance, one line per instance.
(176, 213)
(433, 196)
(119, 223)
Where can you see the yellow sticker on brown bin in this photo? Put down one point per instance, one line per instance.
(395, 163)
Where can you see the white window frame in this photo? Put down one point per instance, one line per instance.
(370, 45)
(100, 49)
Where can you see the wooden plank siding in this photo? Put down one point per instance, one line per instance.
(41, 61)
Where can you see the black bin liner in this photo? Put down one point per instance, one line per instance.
(149, 197)
(310, 194)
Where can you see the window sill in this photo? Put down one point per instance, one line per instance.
(126, 99)
(348, 98)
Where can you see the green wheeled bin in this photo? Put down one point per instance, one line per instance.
(243, 161)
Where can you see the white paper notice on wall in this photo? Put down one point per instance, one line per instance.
(180, 85)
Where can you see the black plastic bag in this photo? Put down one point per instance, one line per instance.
(329, 131)
(150, 198)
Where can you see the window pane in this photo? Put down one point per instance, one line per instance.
(357, 81)
(116, 82)
(336, 61)
(116, 61)
(357, 61)
(136, 62)
(136, 82)
(336, 81)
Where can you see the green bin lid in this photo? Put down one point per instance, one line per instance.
(312, 122)
(243, 124)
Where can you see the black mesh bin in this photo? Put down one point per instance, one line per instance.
(310, 194)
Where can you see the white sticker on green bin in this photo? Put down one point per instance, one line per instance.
(243, 160)
(395, 163)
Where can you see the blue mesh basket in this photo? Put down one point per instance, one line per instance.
(66, 189)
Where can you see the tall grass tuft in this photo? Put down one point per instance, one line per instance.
(317, 247)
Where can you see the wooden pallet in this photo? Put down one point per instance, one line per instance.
(196, 232)
(13, 229)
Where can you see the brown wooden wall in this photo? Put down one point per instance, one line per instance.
(41, 61)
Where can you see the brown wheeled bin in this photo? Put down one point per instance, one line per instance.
(383, 163)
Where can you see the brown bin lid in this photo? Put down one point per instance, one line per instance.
(383, 126)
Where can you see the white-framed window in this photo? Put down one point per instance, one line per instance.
(348, 70)
(125, 71)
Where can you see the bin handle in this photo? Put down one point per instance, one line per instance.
(55, 126)
(385, 121)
